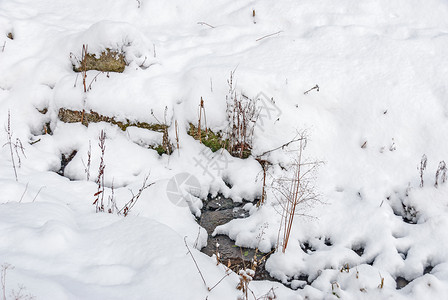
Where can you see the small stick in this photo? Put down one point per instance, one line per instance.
(295, 139)
(263, 37)
(316, 87)
(203, 23)
(94, 79)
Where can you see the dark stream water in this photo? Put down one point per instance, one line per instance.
(218, 211)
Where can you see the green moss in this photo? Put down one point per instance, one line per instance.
(210, 139)
(160, 149)
(109, 61)
(216, 141)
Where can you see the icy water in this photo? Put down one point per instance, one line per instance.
(221, 210)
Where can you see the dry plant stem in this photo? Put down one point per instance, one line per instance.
(441, 171)
(14, 147)
(294, 191)
(264, 166)
(422, 168)
(196, 264)
(111, 205)
(269, 35)
(201, 111)
(199, 121)
(300, 136)
(24, 192)
(89, 159)
(38, 192)
(9, 135)
(242, 115)
(89, 87)
(165, 139)
(84, 76)
(292, 202)
(176, 127)
(99, 201)
(203, 23)
(130, 204)
(5, 267)
(228, 272)
(219, 281)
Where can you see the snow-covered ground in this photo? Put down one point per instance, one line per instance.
(382, 71)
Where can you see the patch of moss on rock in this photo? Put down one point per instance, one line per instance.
(75, 116)
(160, 149)
(109, 61)
(212, 140)
(216, 141)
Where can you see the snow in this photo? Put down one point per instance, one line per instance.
(381, 68)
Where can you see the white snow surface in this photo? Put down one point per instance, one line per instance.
(382, 71)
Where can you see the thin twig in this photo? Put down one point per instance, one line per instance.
(263, 37)
(295, 139)
(38, 192)
(94, 79)
(24, 192)
(316, 87)
(194, 260)
(203, 23)
(224, 277)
